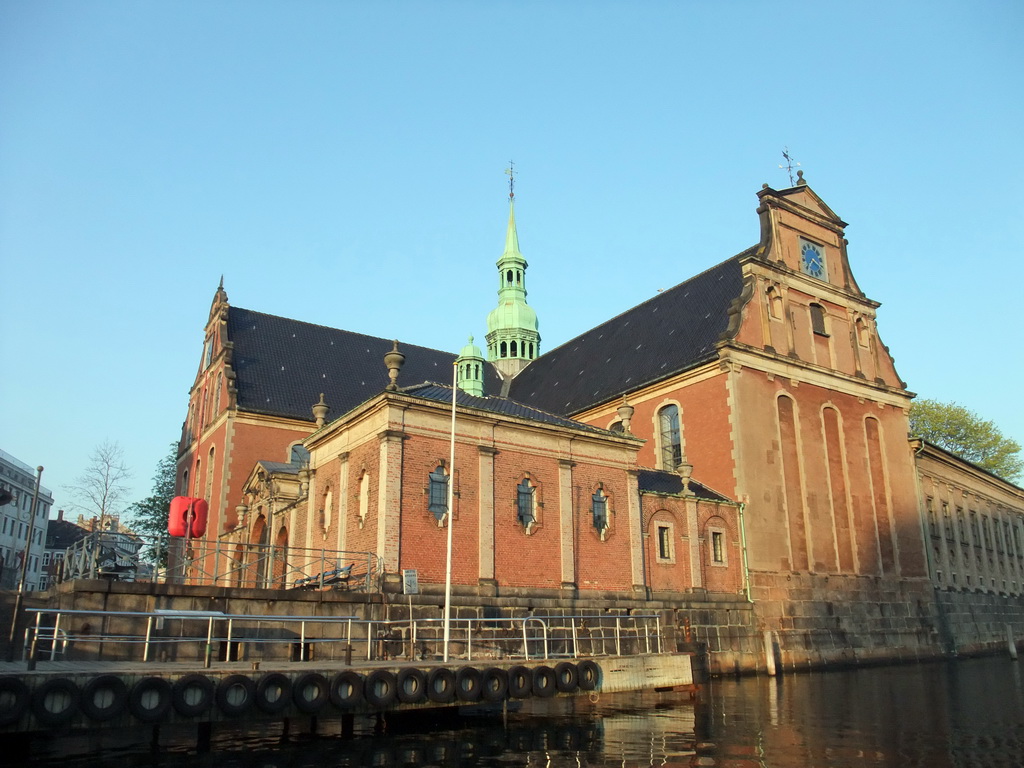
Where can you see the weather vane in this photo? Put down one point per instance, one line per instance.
(511, 172)
(790, 164)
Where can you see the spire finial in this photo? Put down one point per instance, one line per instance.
(790, 165)
(511, 173)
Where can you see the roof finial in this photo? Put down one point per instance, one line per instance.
(393, 360)
(790, 165)
(320, 410)
(511, 173)
(800, 180)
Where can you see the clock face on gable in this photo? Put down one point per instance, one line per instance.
(812, 260)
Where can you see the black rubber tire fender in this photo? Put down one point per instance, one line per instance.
(347, 689)
(13, 690)
(441, 685)
(567, 677)
(41, 697)
(227, 700)
(543, 682)
(183, 695)
(494, 684)
(468, 684)
(519, 682)
(111, 685)
(412, 685)
(381, 688)
(589, 674)
(311, 692)
(269, 685)
(141, 703)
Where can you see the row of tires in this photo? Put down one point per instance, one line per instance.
(57, 701)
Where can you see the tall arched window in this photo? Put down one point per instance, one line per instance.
(209, 476)
(818, 319)
(774, 300)
(438, 494)
(671, 441)
(525, 503)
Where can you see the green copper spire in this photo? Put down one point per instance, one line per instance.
(512, 337)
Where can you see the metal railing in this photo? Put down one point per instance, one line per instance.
(209, 636)
(130, 557)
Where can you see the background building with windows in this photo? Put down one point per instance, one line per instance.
(18, 480)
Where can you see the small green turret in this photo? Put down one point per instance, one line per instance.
(470, 373)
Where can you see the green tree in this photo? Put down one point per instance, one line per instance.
(149, 516)
(965, 433)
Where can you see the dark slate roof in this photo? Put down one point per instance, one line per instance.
(61, 534)
(671, 332)
(658, 481)
(499, 405)
(283, 365)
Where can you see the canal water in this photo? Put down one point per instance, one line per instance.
(967, 713)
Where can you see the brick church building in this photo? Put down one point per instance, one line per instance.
(743, 435)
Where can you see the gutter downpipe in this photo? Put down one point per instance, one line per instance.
(743, 547)
(643, 544)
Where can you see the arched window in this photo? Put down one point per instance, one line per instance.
(364, 497)
(525, 510)
(862, 332)
(599, 509)
(508, 277)
(671, 441)
(299, 455)
(209, 476)
(774, 299)
(195, 480)
(328, 508)
(514, 349)
(531, 350)
(438, 493)
(818, 319)
(504, 349)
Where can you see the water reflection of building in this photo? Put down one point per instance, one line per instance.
(756, 398)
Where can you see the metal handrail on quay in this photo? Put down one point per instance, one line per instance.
(166, 635)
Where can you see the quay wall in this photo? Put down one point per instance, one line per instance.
(810, 621)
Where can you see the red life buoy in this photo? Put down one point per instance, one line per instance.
(186, 508)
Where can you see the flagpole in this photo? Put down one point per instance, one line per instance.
(451, 519)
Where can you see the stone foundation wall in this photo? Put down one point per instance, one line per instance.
(812, 621)
(976, 622)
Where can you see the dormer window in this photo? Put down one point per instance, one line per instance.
(812, 260)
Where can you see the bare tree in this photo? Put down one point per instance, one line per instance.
(100, 490)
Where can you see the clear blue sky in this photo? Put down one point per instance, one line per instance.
(341, 163)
